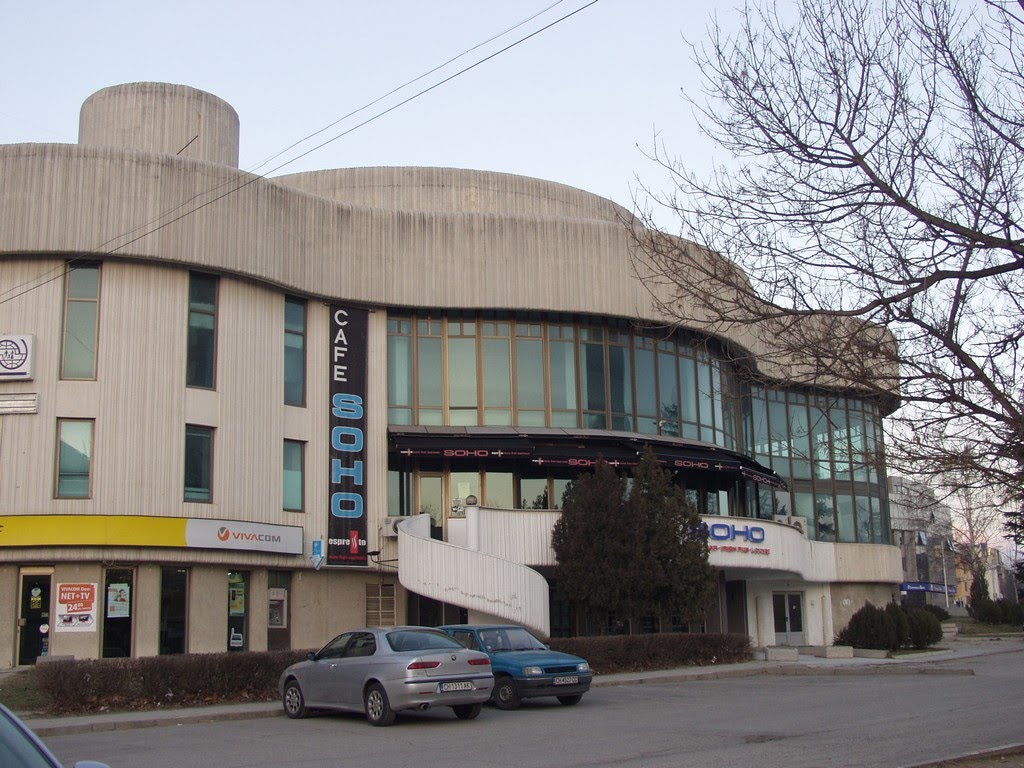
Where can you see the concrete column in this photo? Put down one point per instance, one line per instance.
(208, 610)
(258, 610)
(146, 604)
(765, 621)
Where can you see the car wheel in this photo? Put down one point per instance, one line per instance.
(378, 708)
(293, 700)
(467, 711)
(570, 700)
(505, 694)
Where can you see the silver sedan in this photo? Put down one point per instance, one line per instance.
(384, 670)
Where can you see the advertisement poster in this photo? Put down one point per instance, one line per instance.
(76, 608)
(346, 524)
(118, 601)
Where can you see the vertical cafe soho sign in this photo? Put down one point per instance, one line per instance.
(346, 526)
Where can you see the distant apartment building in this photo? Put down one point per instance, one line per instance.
(922, 529)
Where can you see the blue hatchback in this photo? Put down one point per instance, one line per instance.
(523, 666)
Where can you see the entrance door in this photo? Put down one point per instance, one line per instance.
(789, 618)
(117, 613)
(34, 620)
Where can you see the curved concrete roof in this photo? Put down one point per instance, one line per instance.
(413, 237)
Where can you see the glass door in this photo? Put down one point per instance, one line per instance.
(34, 618)
(789, 618)
(117, 613)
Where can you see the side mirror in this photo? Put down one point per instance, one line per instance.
(311, 656)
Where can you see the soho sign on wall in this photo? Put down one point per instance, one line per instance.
(346, 524)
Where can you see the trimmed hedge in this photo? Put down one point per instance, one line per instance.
(609, 654)
(161, 681)
(891, 628)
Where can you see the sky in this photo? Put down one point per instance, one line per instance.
(579, 103)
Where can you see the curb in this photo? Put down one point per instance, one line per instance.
(1006, 750)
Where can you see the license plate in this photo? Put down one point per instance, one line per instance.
(464, 686)
(566, 680)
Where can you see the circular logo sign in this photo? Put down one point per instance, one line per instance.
(12, 356)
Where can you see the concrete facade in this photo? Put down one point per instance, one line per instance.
(151, 196)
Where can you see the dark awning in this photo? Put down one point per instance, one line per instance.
(579, 448)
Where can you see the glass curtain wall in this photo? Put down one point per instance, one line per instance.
(475, 370)
(468, 370)
(829, 449)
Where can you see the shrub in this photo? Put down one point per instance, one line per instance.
(870, 627)
(987, 612)
(608, 654)
(1012, 613)
(900, 624)
(158, 681)
(938, 612)
(924, 628)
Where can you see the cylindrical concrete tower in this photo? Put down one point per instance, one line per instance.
(161, 117)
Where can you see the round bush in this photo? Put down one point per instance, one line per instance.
(900, 624)
(937, 611)
(870, 627)
(925, 629)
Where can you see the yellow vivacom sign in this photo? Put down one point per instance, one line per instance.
(139, 531)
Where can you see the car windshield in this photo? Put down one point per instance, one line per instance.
(421, 640)
(510, 639)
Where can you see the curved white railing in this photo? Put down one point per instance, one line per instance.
(470, 579)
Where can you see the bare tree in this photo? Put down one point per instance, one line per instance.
(877, 185)
(976, 515)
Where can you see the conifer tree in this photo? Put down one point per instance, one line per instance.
(633, 549)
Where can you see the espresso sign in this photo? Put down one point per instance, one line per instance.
(346, 526)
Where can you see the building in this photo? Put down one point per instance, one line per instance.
(922, 527)
(1000, 578)
(226, 398)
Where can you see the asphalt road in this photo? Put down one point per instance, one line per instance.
(878, 719)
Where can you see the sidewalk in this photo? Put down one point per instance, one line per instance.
(939, 662)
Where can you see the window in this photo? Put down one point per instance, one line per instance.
(74, 458)
(81, 317)
(200, 368)
(198, 463)
(380, 605)
(293, 474)
(173, 610)
(294, 352)
(238, 611)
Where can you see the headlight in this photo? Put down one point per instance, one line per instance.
(533, 671)
(584, 667)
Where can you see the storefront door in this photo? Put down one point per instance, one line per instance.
(789, 618)
(34, 619)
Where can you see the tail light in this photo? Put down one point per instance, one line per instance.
(479, 662)
(424, 665)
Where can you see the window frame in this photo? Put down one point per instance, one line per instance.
(302, 475)
(302, 336)
(209, 469)
(57, 474)
(70, 267)
(192, 311)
